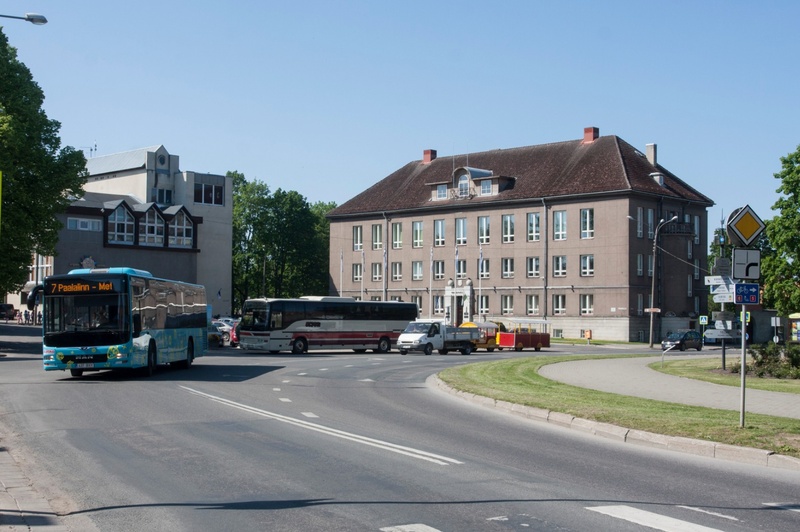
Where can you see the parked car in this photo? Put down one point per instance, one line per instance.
(215, 336)
(235, 334)
(227, 321)
(682, 340)
(7, 311)
(224, 328)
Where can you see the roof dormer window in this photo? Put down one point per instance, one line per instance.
(463, 186)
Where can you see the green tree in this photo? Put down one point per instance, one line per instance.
(780, 267)
(250, 211)
(40, 179)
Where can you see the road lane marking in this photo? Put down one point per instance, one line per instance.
(418, 527)
(284, 400)
(715, 514)
(650, 519)
(309, 414)
(395, 448)
(276, 389)
(793, 507)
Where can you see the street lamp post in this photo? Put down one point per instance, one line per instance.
(661, 224)
(33, 18)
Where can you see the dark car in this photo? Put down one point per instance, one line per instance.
(682, 340)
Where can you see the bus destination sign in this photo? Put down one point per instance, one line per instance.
(80, 286)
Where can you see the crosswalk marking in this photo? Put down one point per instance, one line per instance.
(650, 519)
(715, 514)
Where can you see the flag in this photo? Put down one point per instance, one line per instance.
(480, 260)
(219, 293)
(455, 269)
(341, 260)
(431, 260)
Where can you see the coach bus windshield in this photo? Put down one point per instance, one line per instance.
(255, 316)
(87, 320)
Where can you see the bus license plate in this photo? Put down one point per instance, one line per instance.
(84, 366)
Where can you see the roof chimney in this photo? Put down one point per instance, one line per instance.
(651, 153)
(428, 156)
(590, 134)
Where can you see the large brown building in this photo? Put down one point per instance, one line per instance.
(562, 231)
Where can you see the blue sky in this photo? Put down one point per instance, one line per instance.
(328, 97)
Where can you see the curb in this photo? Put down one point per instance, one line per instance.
(21, 506)
(708, 449)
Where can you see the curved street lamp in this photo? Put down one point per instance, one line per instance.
(661, 224)
(33, 18)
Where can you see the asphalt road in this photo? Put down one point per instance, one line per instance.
(340, 441)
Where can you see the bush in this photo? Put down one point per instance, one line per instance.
(773, 360)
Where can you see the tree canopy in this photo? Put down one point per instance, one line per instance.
(781, 265)
(40, 179)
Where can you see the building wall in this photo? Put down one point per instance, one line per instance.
(619, 292)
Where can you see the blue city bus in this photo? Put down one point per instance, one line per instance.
(120, 318)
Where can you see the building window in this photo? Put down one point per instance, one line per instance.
(587, 265)
(486, 187)
(483, 230)
(483, 305)
(207, 194)
(507, 265)
(463, 186)
(697, 268)
(416, 270)
(358, 272)
(689, 283)
(438, 304)
(162, 196)
(587, 223)
(483, 268)
(649, 265)
(689, 249)
(507, 305)
(559, 304)
(639, 304)
(120, 226)
(151, 229)
(377, 236)
(533, 227)
(397, 271)
(441, 192)
(639, 264)
(696, 229)
(377, 271)
(438, 233)
(559, 225)
(438, 269)
(532, 305)
(461, 269)
(397, 235)
(181, 231)
(532, 269)
(358, 238)
(461, 231)
(375, 298)
(508, 228)
(84, 224)
(650, 223)
(587, 304)
(639, 222)
(560, 266)
(416, 234)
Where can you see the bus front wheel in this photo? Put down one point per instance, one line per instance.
(299, 346)
(152, 360)
(384, 345)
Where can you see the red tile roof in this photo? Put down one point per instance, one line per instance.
(561, 169)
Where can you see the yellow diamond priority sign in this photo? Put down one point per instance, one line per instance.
(745, 225)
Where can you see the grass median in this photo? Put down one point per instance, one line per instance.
(517, 380)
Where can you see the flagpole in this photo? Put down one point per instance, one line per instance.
(341, 272)
(430, 292)
(480, 282)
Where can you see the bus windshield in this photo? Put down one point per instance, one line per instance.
(88, 320)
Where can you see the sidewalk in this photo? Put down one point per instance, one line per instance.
(631, 376)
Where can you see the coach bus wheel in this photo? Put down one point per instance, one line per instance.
(384, 345)
(76, 372)
(428, 349)
(152, 360)
(299, 346)
(189, 355)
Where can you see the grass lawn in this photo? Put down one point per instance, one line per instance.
(710, 370)
(517, 380)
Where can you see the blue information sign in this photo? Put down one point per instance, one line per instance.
(746, 294)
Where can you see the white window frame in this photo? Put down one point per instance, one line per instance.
(559, 225)
(358, 238)
(377, 271)
(532, 304)
(559, 266)
(534, 227)
(483, 305)
(438, 304)
(416, 234)
(438, 233)
(397, 235)
(650, 223)
(358, 272)
(438, 270)
(377, 236)
(507, 267)
(461, 269)
(441, 192)
(397, 271)
(559, 304)
(484, 269)
(461, 231)
(486, 187)
(508, 228)
(484, 230)
(416, 270)
(152, 228)
(84, 224)
(587, 304)
(532, 267)
(587, 223)
(587, 265)
(121, 227)
(181, 231)
(507, 304)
